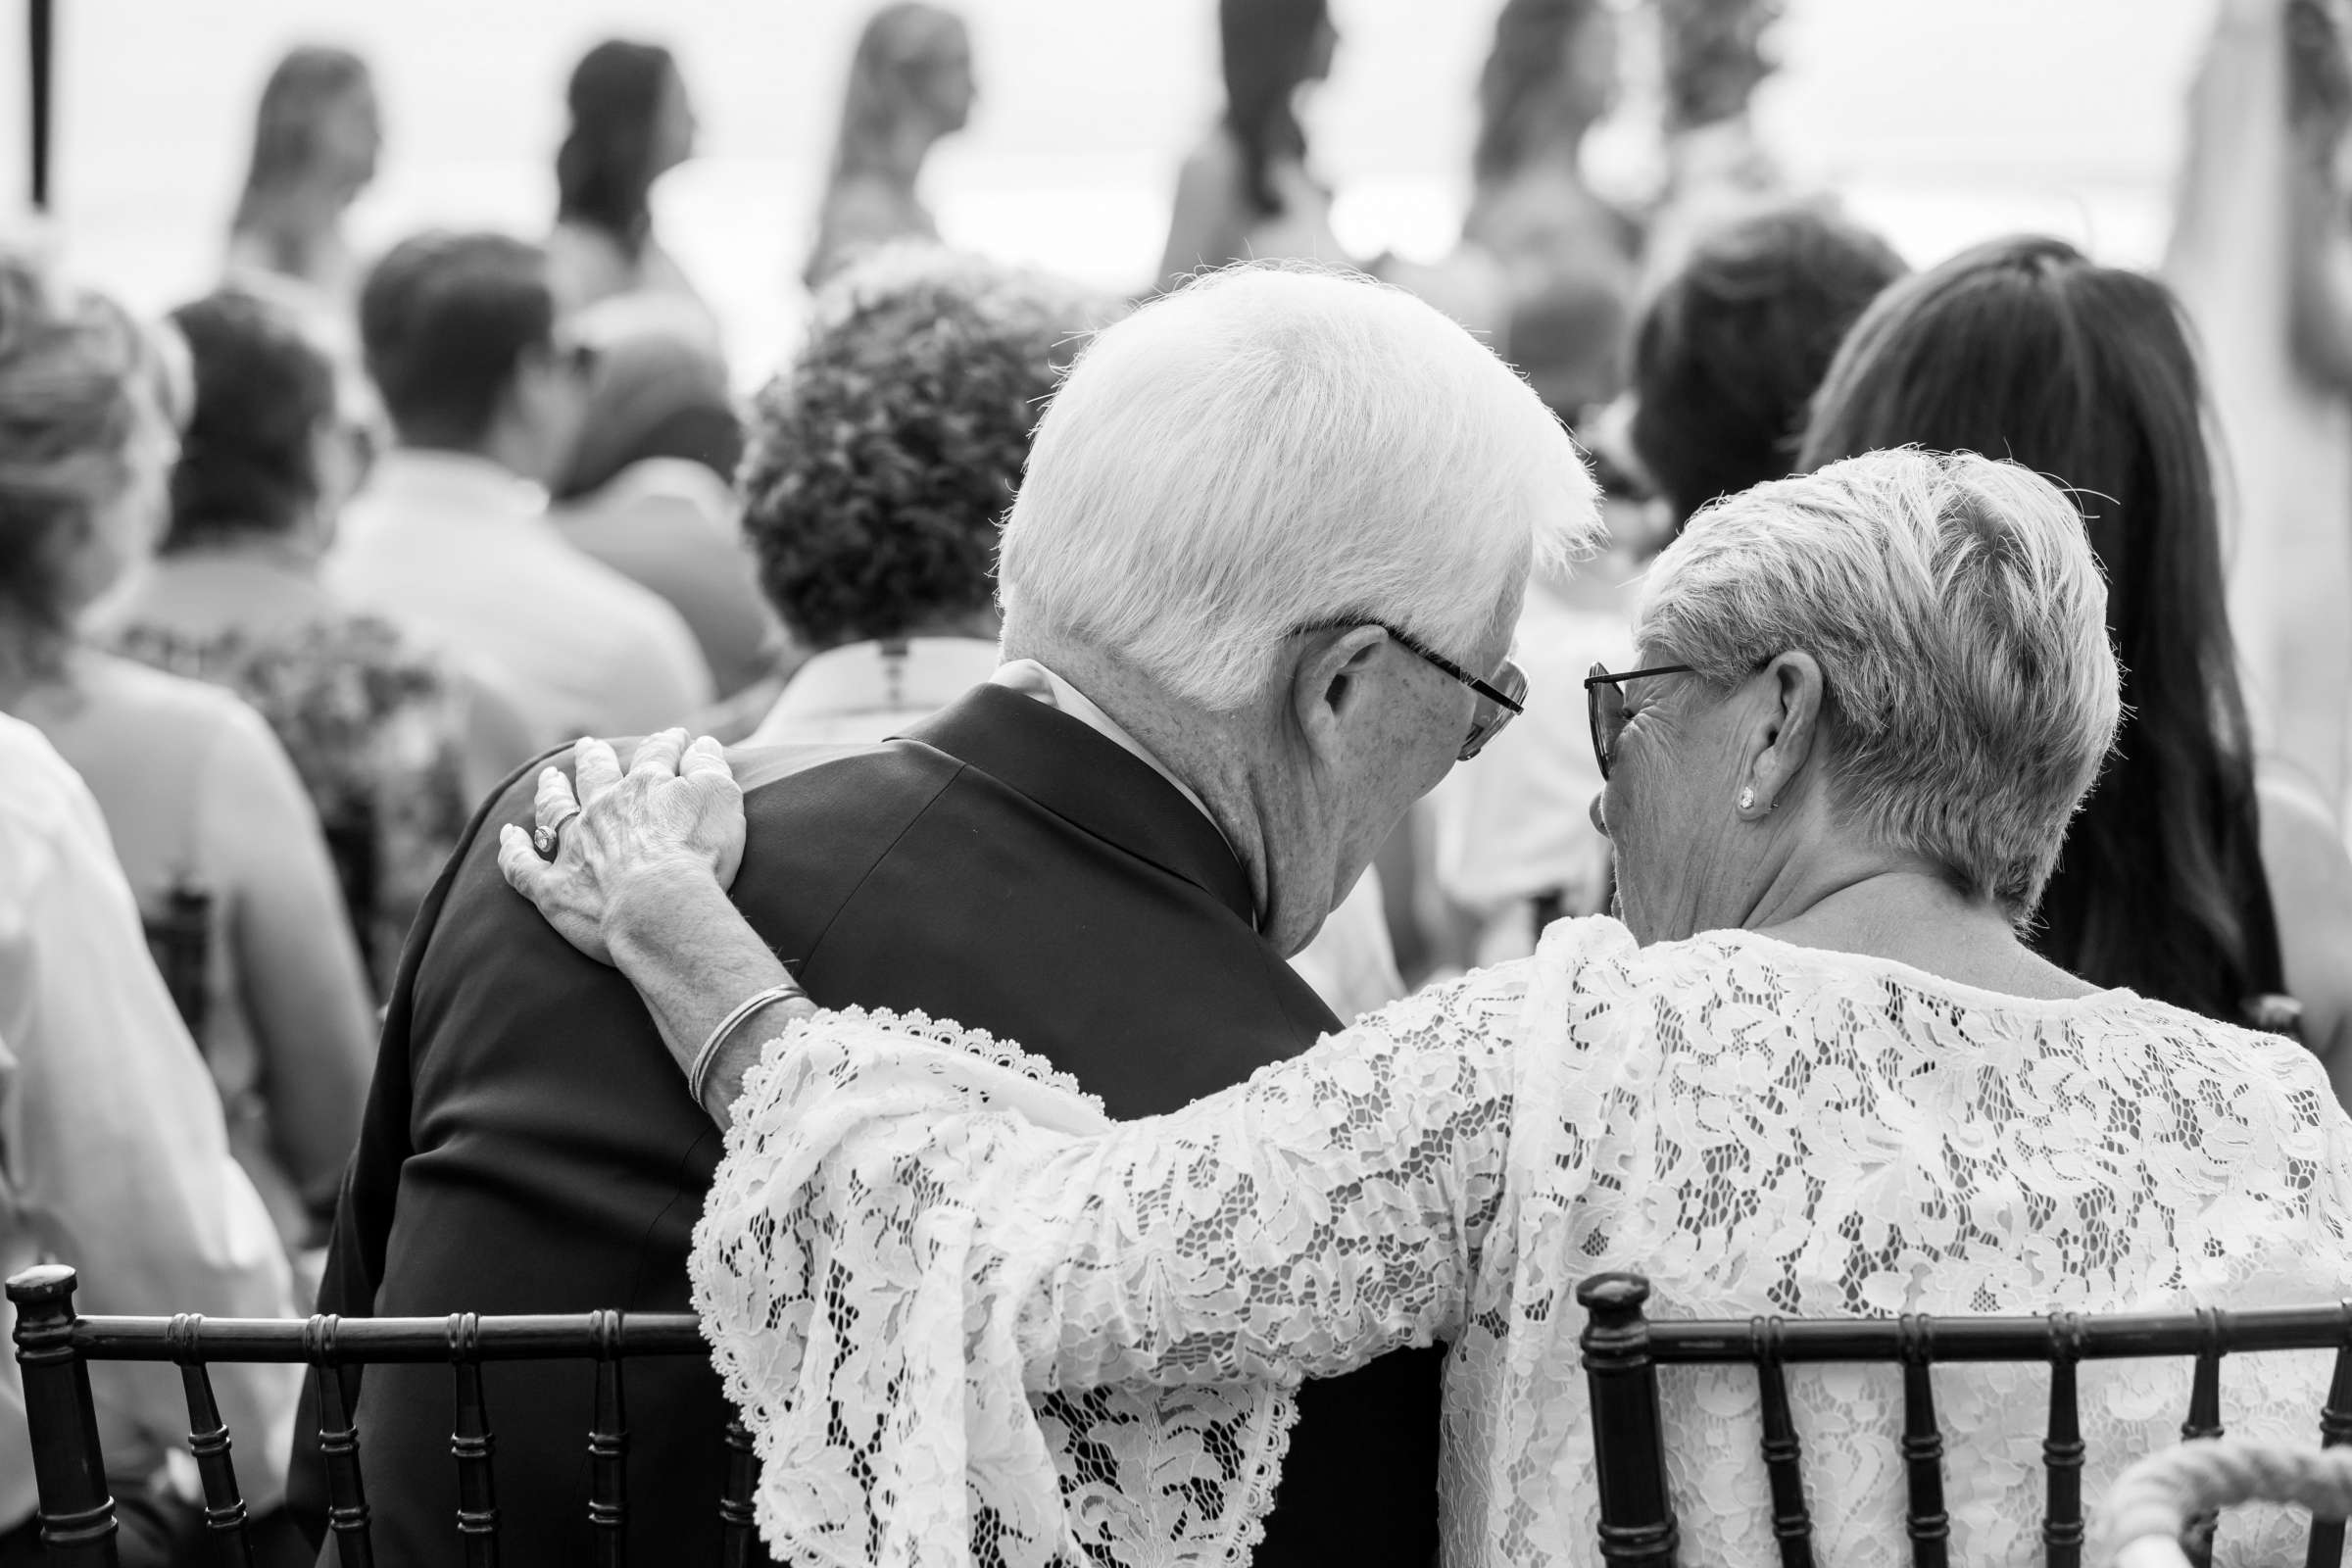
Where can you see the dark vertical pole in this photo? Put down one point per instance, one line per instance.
(1637, 1518)
(42, 18)
(609, 1449)
(736, 1537)
(209, 1442)
(1792, 1522)
(339, 1448)
(78, 1512)
(2335, 1430)
(2205, 1421)
(472, 1445)
(2062, 1448)
(1922, 1448)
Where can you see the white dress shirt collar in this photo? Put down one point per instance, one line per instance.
(1033, 679)
(433, 481)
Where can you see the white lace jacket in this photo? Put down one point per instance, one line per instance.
(923, 1252)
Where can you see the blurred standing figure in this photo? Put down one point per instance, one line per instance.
(2262, 257)
(207, 814)
(649, 487)
(631, 123)
(450, 537)
(1713, 59)
(393, 747)
(1245, 192)
(2179, 878)
(911, 84)
(315, 141)
(1567, 256)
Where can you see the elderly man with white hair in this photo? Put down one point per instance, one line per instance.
(1258, 589)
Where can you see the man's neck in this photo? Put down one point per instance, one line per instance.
(1195, 746)
(488, 450)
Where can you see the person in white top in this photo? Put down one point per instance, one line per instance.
(114, 1156)
(451, 538)
(1815, 1071)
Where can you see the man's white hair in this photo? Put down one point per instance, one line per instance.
(1271, 448)
(1961, 625)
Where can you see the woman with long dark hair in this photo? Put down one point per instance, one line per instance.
(316, 137)
(631, 123)
(2181, 879)
(1245, 192)
(910, 85)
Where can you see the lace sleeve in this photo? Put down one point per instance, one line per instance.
(1327, 1211)
(915, 1227)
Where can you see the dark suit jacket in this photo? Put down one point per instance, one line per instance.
(530, 1146)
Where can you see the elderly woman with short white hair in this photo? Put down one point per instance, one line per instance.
(1814, 1071)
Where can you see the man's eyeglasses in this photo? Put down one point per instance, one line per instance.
(1500, 701)
(1604, 705)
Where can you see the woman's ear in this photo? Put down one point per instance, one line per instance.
(1782, 742)
(1331, 684)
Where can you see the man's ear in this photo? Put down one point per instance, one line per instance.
(1330, 681)
(1789, 729)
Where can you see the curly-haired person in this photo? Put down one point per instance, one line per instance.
(880, 462)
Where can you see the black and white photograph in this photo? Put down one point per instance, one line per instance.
(1175, 783)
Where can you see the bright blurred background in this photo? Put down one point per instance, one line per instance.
(1941, 124)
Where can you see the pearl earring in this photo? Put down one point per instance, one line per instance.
(1747, 799)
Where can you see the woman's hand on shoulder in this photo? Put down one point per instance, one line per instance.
(622, 848)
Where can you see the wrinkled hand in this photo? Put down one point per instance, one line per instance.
(674, 819)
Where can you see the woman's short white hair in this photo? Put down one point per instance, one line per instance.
(1271, 448)
(1961, 624)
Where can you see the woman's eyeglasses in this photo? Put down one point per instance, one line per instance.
(1500, 701)
(1604, 705)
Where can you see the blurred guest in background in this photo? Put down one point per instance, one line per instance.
(881, 462)
(2179, 879)
(631, 123)
(1726, 354)
(1512, 842)
(209, 818)
(647, 489)
(1711, 59)
(392, 747)
(2261, 255)
(911, 84)
(450, 537)
(116, 1160)
(315, 141)
(1729, 348)
(1566, 256)
(1246, 193)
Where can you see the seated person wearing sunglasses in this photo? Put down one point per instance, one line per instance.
(1815, 1071)
(1269, 528)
